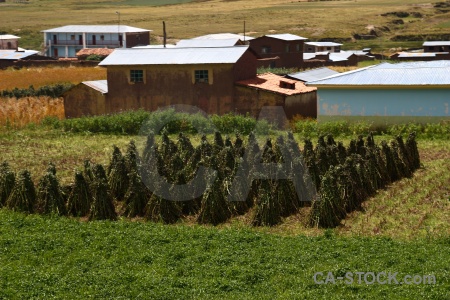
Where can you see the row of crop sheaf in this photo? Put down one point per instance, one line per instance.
(53, 91)
(134, 185)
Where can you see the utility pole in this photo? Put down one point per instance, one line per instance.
(118, 28)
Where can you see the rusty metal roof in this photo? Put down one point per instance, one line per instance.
(401, 74)
(271, 82)
(95, 29)
(174, 56)
(15, 55)
(99, 85)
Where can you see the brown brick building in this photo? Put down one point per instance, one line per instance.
(279, 50)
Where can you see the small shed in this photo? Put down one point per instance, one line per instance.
(273, 90)
(85, 99)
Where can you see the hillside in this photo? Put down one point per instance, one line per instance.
(382, 25)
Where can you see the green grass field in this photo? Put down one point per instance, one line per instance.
(59, 258)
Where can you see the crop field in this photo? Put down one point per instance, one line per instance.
(314, 20)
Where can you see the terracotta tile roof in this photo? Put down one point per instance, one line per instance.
(97, 51)
(278, 84)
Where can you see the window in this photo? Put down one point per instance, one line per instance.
(297, 47)
(72, 37)
(201, 76)
(265, 50)
(328, 48)
(287, 48)
(102, 37)
(136, 76)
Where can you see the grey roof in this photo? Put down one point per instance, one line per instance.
(323, 44)
(174, 56)
(223, 36)
(96, 29)
(99, 85)
(332, 56)
(15, 55)
(313, 74)
(154, 46)
(416, 54)
(286, 37)
(8, 37)
(402, 74)
(436, 43)
(208, 43)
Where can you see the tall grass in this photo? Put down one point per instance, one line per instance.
(17, 113)
(22, 78)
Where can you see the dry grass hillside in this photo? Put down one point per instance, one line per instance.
(396, 23)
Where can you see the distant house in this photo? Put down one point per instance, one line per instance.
(9, 58)
(66, 41)
(313, 74)
(436, 46)
(342, 58)
(279, 50)
(273, 90)
(9, 42)
(153, 78)
(420, 56)
(387, 93)
(311, 47)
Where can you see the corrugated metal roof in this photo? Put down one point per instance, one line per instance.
(437, 43)
(223, 36)
(416, 54)
(96, 29)
(403, 74)
(154, 46)
(99, 85)
(323, 44)
(271, 82)
(286, 37)
(8, 37)
(208, 43)
(15, 55)
(313, 74)
(177, 56)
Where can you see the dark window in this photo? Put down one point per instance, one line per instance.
(136, 76)
(72, 37)
(297, 47)
(287, 48)
(328, 48)
(102, 37)
(201, 76)
(431, 48)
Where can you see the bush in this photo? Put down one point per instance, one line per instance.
(53, 91)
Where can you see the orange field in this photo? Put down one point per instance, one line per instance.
(23, 78)
(16, 113)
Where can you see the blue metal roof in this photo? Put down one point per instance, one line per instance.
(323, 44)
(402, 74)
(174, 56)
(15, 55)
(313, 74)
